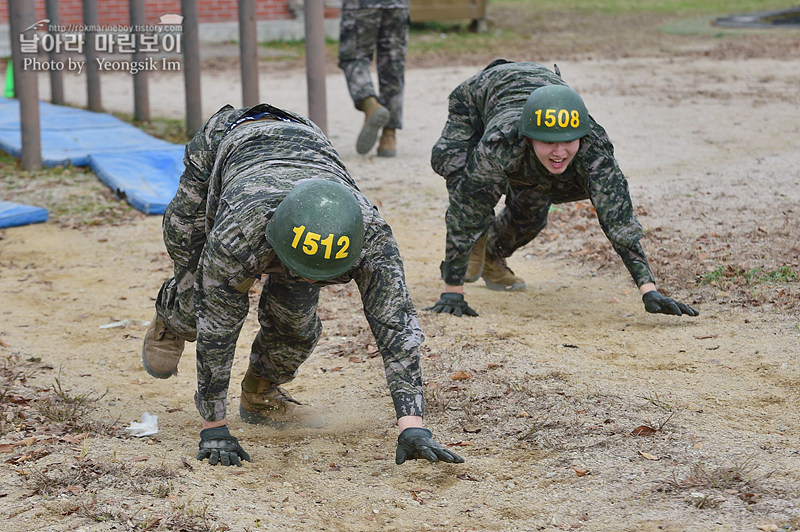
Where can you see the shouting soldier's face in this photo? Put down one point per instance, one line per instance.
(555, 156)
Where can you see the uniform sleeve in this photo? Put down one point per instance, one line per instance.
(221, 311)
(392, 319)
(608, 190)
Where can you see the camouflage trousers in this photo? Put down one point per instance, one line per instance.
(287, 308)
(382, 33)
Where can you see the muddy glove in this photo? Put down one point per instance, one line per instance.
(414, 443)
(657, 303)
(219, 446)
(452, 303)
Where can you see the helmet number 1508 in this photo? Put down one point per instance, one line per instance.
(313, 241)
(563, 117)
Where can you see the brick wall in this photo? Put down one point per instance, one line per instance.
(116, 12)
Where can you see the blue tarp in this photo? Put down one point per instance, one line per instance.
(13, 214)
(142, 169)
(146, 179)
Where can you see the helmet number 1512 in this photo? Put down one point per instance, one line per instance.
(313, 241)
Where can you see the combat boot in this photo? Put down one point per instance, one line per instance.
(265, 403)
(375, 117)
(387, 145)
(161, 350)
(498, 276)
(476, 260)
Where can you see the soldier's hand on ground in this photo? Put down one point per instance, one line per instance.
(415, 443)
(657, 303)
(452, 303)
(220, 447)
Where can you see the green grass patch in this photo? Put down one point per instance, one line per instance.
(294, 49)
(671, 7)
(784, 274)
(725, 276)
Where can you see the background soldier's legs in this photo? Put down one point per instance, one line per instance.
(357, 37)
(392, 43)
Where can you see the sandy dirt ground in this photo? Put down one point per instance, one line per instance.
(573, 408)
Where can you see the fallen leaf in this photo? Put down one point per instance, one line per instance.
(140, 459)
(523, 414)
(580, 472)
(704, 336)
(643, 430)
(648, 455)
(7, 447)
(337, 368)
(492, 365)
(355, 360)
(462, 443)
(460, 376)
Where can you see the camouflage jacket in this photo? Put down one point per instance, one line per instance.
(486, 155)
(240, 173)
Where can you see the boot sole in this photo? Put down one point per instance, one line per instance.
(154, 373)
(254, 418)
(369, 133)
(515, 287)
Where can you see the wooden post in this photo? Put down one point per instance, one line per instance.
(314, 11)
(56, 75)
(248, 52)
(22, 15)
(191, 66)
(141, 97)
(92, 69)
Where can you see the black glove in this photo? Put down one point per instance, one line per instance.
(452, 303)
(414, 443)
(218, 445)
(657, 303)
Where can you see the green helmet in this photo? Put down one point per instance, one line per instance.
(554, 113)
(317, 230)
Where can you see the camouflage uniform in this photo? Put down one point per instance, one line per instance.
(367, 27)
(214, 230)
(482, 156)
